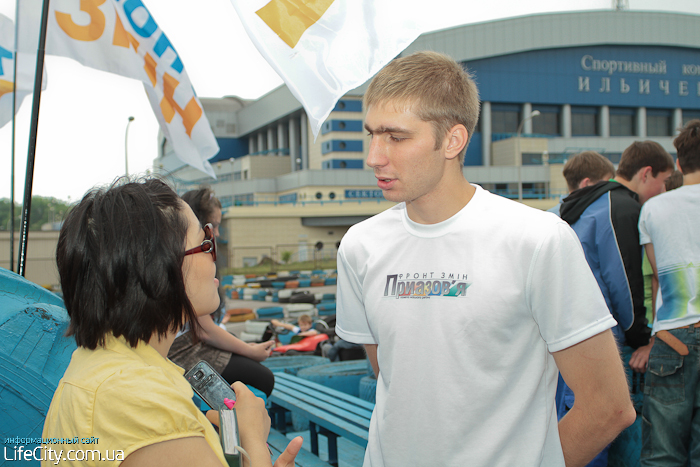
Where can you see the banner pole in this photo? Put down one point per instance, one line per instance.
(29, 177)
(12, 149)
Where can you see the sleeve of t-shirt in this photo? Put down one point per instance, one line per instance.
(644, 235)
(351, 319)
(563, 294)
(141, 407)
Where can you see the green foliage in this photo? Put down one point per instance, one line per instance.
(286, 256)
(43, 210)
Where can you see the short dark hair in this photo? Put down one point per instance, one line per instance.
(203, 203)
(120, 254)
(642, 154)
(674, 181)
(587, 164)
(687, 144)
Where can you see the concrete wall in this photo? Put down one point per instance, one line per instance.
(41, 256)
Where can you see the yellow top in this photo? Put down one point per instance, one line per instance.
(126, 397)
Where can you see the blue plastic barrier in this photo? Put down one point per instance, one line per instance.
(34, 354)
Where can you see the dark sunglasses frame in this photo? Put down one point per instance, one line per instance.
(208, 245)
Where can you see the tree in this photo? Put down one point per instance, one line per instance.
(44, 209)
(286, 256)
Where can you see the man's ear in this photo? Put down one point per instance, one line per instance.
(678, 166)
(644, 173)
(584, 183)
(457, 138)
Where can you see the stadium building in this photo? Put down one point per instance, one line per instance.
(551, 85)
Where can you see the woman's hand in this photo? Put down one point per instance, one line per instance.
(253, 424)
(286, 459)
(260, 352)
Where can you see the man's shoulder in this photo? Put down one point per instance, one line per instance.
(391, 216)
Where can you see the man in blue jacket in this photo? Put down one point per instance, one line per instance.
(605, 217)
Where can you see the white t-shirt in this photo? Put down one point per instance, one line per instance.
(465, 314)
(671, 222)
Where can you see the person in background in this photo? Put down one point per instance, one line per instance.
(135, 266)
(585, 169)
(467, 303)
(304, 329)
(582, 170)
(605, 216)
(668, 227)
(674, 181)
(651, 284)
(234, 359)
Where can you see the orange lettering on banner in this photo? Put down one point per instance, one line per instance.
(122, 37)
(150, 68)
(289, 19)
(5, 87)
(90, 32)
(190, 114)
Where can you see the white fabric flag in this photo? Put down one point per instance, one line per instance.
(25, 72)
(324, 48)
(121, 37)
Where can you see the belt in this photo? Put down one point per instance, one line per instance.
(673, 341)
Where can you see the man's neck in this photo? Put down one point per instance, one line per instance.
(692, 178)
(628, 183)
(442, 204)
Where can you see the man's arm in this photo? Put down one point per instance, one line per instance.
(640, 357)
(371, 350)
(593, 370)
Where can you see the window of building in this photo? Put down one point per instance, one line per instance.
(584, 121)
(547, 122)
(505, 118)
(622, 122)
(659, 122)
(689, 115)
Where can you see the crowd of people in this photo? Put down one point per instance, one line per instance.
(535, 322)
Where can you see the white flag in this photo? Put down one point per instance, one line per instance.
(324, 48)
(121, 37)
(25, 71)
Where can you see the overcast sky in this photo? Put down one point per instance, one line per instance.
(84, 112)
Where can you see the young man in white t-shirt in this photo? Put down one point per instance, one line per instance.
(468, 303)
(669, 229)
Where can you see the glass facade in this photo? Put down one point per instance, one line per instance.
(622, 122)
(547, 122)
(584, 121)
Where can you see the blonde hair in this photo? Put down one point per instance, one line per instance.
(434, 87)
(305, 319)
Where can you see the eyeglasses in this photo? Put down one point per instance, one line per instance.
(208, 245)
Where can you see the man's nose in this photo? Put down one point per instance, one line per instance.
(376, 156)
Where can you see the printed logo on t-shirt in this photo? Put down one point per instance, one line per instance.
(426, 285)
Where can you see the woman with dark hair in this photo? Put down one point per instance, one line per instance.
(135, 266)
(234, 359)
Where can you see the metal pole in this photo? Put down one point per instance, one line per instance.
(29, 177)
(126, 146)
(12, 157)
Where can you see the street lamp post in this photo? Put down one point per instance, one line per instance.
(126, 146)
(532, 115)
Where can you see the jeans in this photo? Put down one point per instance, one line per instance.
(332, 352)
(671, 415)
